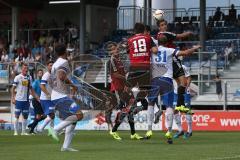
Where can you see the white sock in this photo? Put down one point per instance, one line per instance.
(150, 117)
(68, 121)
(177, 118)
(169, 118)
(189, 122)
(68, 135)
(46, 121)
(16, 125)
(24, 125)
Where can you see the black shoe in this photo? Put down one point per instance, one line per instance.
(170, 141)
(32, 132)
(157, 116)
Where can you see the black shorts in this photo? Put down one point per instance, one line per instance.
(177, 69)
(138, 76)
(37, 107)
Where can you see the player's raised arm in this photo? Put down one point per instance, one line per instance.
(183, 35)
(189, 51)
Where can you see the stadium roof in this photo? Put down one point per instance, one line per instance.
(41, 3)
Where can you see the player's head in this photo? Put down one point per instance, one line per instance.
(40, 73)
(147, 30)
(113, 49)
(162, 25)
(61, 50)
(139, 28)
(24, 69)
(162, 39)
(49, 65)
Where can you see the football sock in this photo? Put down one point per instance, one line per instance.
(65, 123)
(177, 118)
(181, 92)
(68, 135)
(115, 127)
(35, 123)
(189, 122)
(24, 125)
(169, 118)
(16, 125)
(150, 117)
(45, 123)
(132, 127)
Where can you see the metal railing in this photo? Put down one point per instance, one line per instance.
(128, 15)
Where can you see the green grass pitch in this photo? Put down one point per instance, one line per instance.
(99, 145)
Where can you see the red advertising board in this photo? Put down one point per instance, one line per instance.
(214, 121)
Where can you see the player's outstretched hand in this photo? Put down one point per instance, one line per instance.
(196, 47)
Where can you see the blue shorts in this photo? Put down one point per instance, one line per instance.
(165, 89)
(66, 107)
(175, 99)
(22, 107)
(187, 100)
(47, 106)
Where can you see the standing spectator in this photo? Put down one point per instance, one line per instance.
(219, 15)
(22, 84)
(232, 14)
(218, 86)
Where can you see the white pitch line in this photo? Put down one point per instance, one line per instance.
(223, 158)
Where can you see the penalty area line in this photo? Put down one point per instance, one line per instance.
(223, 158)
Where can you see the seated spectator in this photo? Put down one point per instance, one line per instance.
(4, 57)
(179, 27)
(219, 15)
(232, 14)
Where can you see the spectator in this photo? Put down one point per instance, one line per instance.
(219, 15)
(232, 14)
(4, 57)
(23, 50)
(218, 86)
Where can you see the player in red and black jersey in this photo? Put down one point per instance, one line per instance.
(178, 72)
(140, 48)
(124, 97)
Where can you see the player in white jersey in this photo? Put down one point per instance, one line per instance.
(187, 99)
(162, 75)
(22, 86)
(69, 111)
(45, 98)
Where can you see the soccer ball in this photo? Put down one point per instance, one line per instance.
(158, 15)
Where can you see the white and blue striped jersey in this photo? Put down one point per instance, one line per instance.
(23, 84)
(59, 88)
(45, 81)
(161, 63)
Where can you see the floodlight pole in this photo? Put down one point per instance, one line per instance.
(82, 27)
(202, 23)
(14, 25)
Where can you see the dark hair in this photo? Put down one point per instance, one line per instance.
(24, 64)
(39, 70)
(49, 62)
(160, 21)
(60, 49)
(147, 28)
(139, 28)
(162, 39)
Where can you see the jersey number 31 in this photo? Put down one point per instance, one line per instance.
(161, 57)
